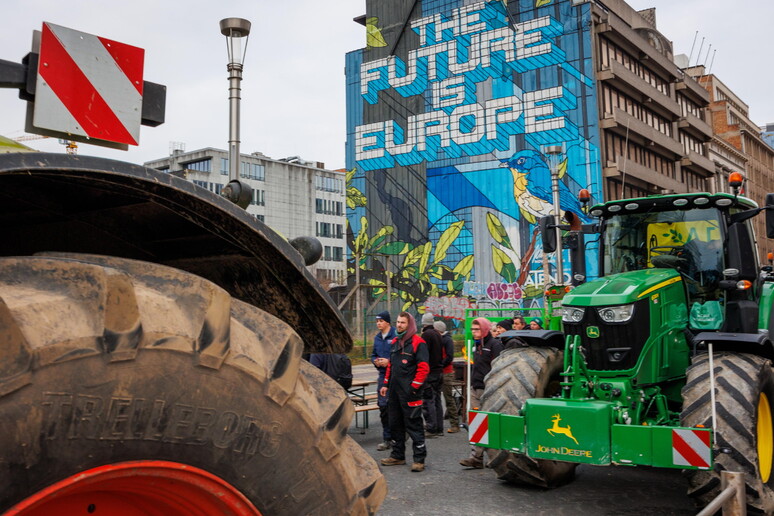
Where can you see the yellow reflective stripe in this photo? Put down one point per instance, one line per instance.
(660, 285)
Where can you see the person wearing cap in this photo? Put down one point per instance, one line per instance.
(406, 374)
(536, 324)
(501, 327)
(448, 377)
(433, 410)
(380, 357)
(487, 349)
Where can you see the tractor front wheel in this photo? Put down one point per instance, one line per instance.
(744, 393)
(134, 385)
(517, 375)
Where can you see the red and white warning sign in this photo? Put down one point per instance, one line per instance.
(691, 448)
(88, 86)
(478, 428)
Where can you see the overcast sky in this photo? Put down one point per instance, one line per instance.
(293, 99)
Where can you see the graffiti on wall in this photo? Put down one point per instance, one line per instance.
(508, 99)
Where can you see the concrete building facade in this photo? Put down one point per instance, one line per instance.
(653, 121)
(292, 196)
(739, 146)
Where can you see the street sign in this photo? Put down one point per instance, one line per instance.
(88, 88)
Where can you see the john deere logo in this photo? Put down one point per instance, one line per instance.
(592, 332)
(556, 429)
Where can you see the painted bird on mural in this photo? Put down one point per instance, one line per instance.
(532, 187)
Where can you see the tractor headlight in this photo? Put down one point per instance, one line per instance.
(570, 314)
(616, 314)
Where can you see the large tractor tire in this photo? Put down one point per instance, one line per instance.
(744, 393)
(131, 385)
(517, 375)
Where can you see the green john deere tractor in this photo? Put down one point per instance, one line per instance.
(664, 360)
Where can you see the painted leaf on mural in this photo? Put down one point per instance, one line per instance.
(377, 283)
(394, 248)
(362, 236)
(464, 267)
(425, 259)
(562, 168)
(349, 176)
(413, 256)
(447, 237)
(441, 272)
(541, 3)
(374, 36)
(497, 230)
(503, 265)
(355, 198)
(380, 236)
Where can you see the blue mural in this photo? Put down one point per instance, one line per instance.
(497, 86)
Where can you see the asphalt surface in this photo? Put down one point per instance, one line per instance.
(446, 488)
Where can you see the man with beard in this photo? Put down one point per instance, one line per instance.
(403, 380)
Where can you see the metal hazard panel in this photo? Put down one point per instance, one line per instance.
(88, 86)
(688, 448)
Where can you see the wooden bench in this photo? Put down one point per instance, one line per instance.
(364, 410)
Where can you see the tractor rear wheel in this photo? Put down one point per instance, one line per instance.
(130, 384)
(517, 375)
(744, 394)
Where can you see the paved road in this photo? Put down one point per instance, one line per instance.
(445, 488)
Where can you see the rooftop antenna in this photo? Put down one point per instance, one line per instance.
(713, 60)
(698, 56)
(707, 56)
(693, 46)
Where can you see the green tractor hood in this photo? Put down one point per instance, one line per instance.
(621, 289)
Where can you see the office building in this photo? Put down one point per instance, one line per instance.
(292, 196)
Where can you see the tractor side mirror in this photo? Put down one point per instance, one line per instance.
(770, 215)
(547, 227)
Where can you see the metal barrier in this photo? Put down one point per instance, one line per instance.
(732, 498)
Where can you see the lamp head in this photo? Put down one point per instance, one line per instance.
(235, 29)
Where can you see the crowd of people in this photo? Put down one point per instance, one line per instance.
(415, 369)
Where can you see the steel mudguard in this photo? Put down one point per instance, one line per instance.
(80, 204)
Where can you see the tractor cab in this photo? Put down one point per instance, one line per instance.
(688, 234)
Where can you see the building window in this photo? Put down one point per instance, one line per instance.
(328, 184)
(327, 207)
(612, 98)
(259, 197)
(252, 171)
(224, 166)
(338, 254)
(261, 218)
(163, 169)
(202, 165)
(203, 184)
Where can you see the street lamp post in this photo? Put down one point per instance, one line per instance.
(554, 152)
(235, 30)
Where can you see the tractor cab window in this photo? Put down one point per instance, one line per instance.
(688, 240)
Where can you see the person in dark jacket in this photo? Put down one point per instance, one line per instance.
(433, 409)
(448, 377)
(487, 349)
(380, 357)
(406, 373)
(502, 327)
